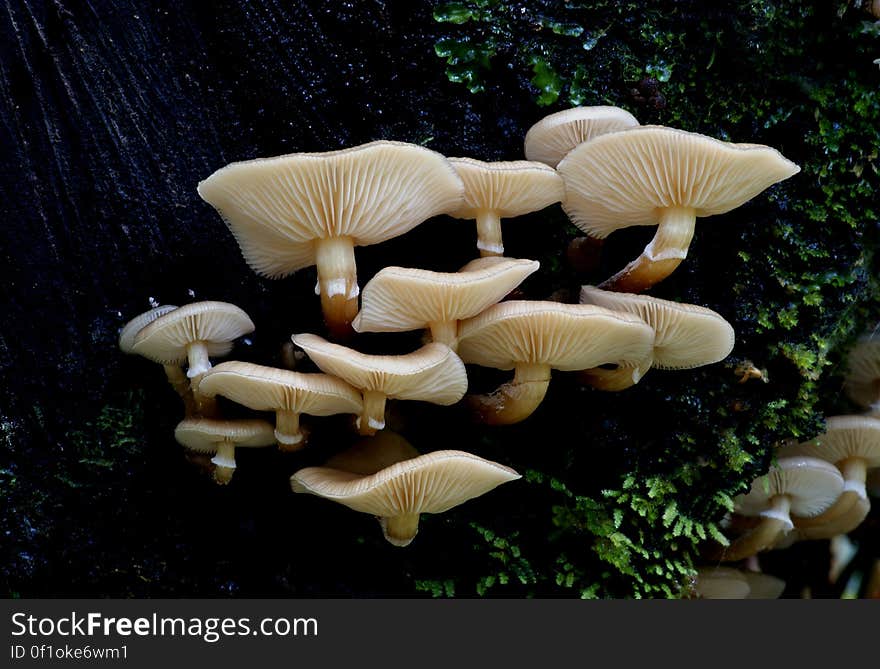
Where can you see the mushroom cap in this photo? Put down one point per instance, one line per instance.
(202, 435)
(811, 484)
(565, 336)
(430, 483)
(276, 207)
(622, 179)
(845, 437)
(270, 389)
(551, 138)
(216, 324)
(721, 583)
(686, 335)
(434, 373)
(130, 330)
(398, 299)
(862, 381)
(763, 586)
(369, 455)
(511, 188)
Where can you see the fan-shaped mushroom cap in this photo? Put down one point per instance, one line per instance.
(431, 374)
(653, 175)
(431, 483)
(305, 209)
(493, 191)
(862, 381)
(533, 337)
(685, 335)
(287, 393)
(398, 299)
(721, 583)
(222, 437)
(370, 454)
(131, 329)
(810, 484)
(551, 138)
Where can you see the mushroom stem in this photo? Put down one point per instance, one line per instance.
(287, 431)
(614, 380)
(197, 357)
(854, 495)
(774, 522)
(516, 400)
(337, 283)
(445, 332)
(178, 380)
(661, 256)
(489, 240)
(372, 418)
(224, 461)
(400, 530)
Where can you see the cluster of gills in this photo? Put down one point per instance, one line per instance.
(291, 212)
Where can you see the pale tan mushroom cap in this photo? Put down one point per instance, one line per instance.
(202, 435)
(398, 299)
(623, 178)
(845, 437)
(686, 335)
(721, 583)
(369, 455)
(270, 389)
(811, 484)
(276, 207)
(862, 380)
(434, 373)
(565, 336)
(216, 324)
(551, 138)
(431, 483)
(509, 189)
(763, 586)
(130, 330)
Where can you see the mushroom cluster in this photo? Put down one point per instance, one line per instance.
(291, 212)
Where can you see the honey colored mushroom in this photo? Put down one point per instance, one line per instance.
(192, 334)
(532, 338)
(685, 336)
(398, 493)
(431, 374)
(287, 393)
(862, 381)
(653, 175)
(493, 191)
(398, 299)
(221, 438)
(305, 209)
(173, 372)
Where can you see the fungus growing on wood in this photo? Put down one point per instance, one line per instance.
(685, 335)
(802, 486)
(398, 299)
(532, 338)
(551, 138)
(493, 191)
(398, 492)
(173, 372)
(434, 373)
(653, 175)
(862, 381)
(192, 334)
(221, 438)
(305, 209)
(852, 443)
(287, 393)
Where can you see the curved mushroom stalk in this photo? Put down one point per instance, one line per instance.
(224, 461)
(372, 418)
(848, 511)
(489, 239)
(400, 530)
(178, 380)
(614, 380)
(288, 433)
(337, 283)
(516, 400)
(774, 522)
(661, 256)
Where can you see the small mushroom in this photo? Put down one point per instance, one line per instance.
(730, 583)
(398, 299)
(551, 138)
(493, 191)
(853, 444)
(287, 393)
(685, 335)
(431, 374)
(193, 333)
(396, 486)
(305, 209)
(862, 380)
(173, 372)
(532, 338)
(653, 175)
(802, 486)
(221, 438)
